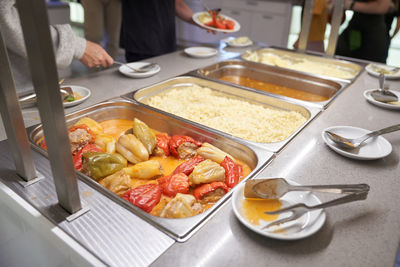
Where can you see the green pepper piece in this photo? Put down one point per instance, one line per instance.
(99, 164)
(144, 134)
(69, 98)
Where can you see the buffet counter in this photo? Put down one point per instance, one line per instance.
(356, 234)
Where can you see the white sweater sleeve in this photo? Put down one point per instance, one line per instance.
(67, 45)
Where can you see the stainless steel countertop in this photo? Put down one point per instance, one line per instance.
(361, 233)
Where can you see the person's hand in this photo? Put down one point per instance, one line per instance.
(96, 56)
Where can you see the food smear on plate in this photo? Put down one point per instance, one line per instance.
(250, 121)
(242, 40)
(170, 176)
(253, 209)
(384, 69)
(74, 97)
(299, 62)
(273, 88)
(214, 20)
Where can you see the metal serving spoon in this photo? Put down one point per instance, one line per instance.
(356, 142)
(144, 68)
(383, 94)
(277, 187)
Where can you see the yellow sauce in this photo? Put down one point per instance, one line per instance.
(116, 128)
(273, 88)
(253, 209)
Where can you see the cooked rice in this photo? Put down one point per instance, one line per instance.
(237, 117)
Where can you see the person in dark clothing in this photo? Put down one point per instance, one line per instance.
(148, 27)
(394, 12)
(365, 36)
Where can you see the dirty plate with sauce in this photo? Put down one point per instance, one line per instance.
(389, 105)
(250, 212)
(80, 95)
(389, 71)
(238, 42)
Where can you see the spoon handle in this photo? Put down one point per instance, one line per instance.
(381, 81)
(337, 189)
(383, 131)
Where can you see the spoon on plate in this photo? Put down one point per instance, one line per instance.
(144, 68)
(356, 142)
(383, 94)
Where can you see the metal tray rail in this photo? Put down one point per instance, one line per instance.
(274, 75)
(315, 57)
(309, 112)
(179, 229)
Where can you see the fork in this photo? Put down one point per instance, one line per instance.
(300, 209)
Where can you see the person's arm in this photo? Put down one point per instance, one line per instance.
(67, 45)
(371, 7)
(183, 11)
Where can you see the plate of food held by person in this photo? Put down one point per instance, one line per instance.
(216, 21)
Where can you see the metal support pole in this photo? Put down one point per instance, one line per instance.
(306, 24)
(14, 123)
(335, 25)
(39, 46)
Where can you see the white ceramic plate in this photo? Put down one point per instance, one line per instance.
(304, 226)
(373, 148)
(367, 95)
(197, 20)
(201, 52)
(83, 91)
(231, 42)
(130, 73)
(373, 70)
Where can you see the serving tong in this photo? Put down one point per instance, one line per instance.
(275, 188)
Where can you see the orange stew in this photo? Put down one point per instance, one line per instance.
(273, 88)
(177, 188)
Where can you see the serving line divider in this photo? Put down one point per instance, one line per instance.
(14, 124)
(335, 25)
(42, 64)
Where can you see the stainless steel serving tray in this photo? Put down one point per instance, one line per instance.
(276, 76)
(179, 229)
(318, 59)
(142, 95)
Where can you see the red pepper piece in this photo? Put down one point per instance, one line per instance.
(174, 184)
(43, 144)
(203, 189)
(188, 166)
(219, 24)
(232, 172)
(229, 24)
(162, 140)
(77, 158)
(84, 127)
(177, 140)
(145, 196)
